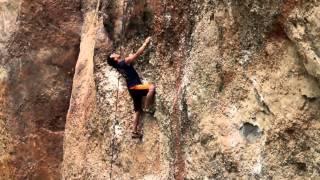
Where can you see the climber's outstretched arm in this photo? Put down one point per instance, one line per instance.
(131, 58)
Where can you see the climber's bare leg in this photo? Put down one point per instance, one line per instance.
(150, 96)
(136, 121)
(136, 133)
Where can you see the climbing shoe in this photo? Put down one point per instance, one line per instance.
(149, 110)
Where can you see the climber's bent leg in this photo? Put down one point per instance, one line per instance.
(150, 96)
(145, 90)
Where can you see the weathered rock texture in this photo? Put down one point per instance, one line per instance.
(238, 92)
(39, 47)
(82, 103)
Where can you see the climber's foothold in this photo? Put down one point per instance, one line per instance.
(136, 135)
(150, 111)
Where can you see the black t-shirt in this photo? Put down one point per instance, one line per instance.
(129, 73)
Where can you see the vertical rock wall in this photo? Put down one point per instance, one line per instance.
(39, 46)
(9, 12)
(237, 90)
(82, 103)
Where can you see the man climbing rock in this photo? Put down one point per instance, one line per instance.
(136, 88)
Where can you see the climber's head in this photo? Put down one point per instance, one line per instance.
(113, 59)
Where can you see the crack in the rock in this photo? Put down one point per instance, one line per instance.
(307, 101)
(262, 103)
(259, 97)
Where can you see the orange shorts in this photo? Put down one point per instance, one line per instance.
(137, 92)
(144, 86)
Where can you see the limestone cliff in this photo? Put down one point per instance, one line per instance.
(237, 89)
(39, 48)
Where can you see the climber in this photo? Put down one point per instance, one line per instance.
(136, 88)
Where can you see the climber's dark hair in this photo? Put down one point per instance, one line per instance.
(111, 61)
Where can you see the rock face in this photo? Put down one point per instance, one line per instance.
(237, 90)
(39, 48)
